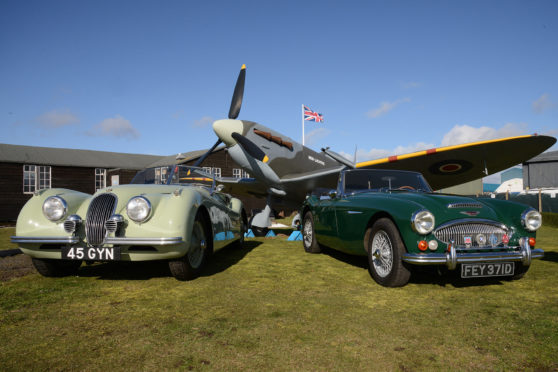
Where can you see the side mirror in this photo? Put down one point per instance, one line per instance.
(333, 194)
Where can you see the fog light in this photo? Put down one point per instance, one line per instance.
(532, 242)
(433, 245)
(423, 245)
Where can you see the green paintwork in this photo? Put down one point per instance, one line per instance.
(341, 222)
(174, 208)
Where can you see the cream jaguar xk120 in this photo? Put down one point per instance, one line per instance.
(175, 214)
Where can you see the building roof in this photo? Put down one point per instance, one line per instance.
(545, 156)
(183, 157)
(73, 157)
(89, 158)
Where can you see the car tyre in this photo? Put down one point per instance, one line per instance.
(309, 240)
(56, 268)
(192, 263)
(385, 251)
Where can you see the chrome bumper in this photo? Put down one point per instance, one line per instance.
(453, 257)
(113, 241)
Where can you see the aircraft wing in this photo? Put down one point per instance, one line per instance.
(453, 165)
(243, 186)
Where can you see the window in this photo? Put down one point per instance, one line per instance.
(239, 173)
(100, 178)
(36, 177)
(215, 171)
(161, 175)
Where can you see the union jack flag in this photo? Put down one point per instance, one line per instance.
(312, 116)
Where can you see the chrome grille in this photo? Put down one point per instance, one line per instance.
(493, 234)
(100, 210)
(69, 226)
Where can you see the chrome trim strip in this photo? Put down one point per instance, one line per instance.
(354, 212)
(144, 241)
(447, 259)
(45, 239)
(464, 205)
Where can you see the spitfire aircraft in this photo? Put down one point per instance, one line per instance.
(285, 172)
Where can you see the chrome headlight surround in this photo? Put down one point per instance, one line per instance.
(423, 222)
(531, 219)
(55, 208)
(138, 209)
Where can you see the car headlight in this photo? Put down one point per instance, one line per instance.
(531, 219)
(138, 209)
(423, 222)
(55, 208)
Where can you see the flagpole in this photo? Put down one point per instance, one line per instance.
(302, 124)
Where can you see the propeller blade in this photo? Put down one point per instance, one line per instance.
(200, 160)
(236, 101)
(250, 147)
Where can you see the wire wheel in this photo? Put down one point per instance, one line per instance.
(199, 244)
(382, 253)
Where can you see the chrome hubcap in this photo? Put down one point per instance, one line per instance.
(307, 233)
(196, 252)
(382, 254)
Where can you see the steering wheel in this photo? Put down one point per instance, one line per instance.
(406, 188)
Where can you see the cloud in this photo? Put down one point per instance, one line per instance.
(57, 119)
(206, 120)
(386, 107)
(464, 133)
(543, 103)
(115, 127)
(315, 135)
(457, 135)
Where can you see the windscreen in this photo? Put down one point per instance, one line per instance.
(383, 180)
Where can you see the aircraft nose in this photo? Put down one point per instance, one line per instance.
(225, 128)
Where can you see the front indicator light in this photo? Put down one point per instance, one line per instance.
(532, 242)
(423, 245)
(433, 245)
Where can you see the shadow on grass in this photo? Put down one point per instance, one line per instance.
(550, 256)
(423, 274)
(144, 270)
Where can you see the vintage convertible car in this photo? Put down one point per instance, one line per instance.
(171, 213)
(395, 219)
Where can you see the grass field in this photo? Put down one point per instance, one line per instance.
(271, 306)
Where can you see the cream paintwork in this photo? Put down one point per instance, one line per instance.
(174, 208)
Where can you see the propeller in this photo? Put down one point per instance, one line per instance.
(236, 101)
(236, 104)
(250, 147)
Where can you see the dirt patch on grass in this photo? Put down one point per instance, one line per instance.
(15, 267)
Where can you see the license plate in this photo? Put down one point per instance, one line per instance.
(483, 270)
(91, 253)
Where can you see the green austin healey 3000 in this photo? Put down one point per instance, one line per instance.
(168, 213)
(395, 219)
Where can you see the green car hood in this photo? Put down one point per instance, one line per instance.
(463, 207)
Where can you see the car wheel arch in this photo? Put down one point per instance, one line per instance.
(209, 226)
(371, 222)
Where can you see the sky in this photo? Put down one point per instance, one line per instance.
(389, 77)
